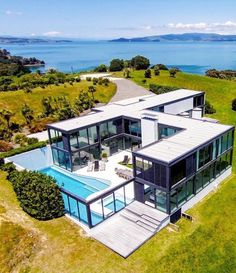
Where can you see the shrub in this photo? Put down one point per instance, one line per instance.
(23, 149)
(156, 70)
(140, 62)
(95, 81)
(159, 89)
(20, 139)
(9, 168)
(209, 109)
(234, 104)
(144, 81)
(38, 194)
(173, 72)
(116, 65)
(88, 79)
(5, 146)
(148, 73)
(32, 140)
(106, 81)
(101, 68)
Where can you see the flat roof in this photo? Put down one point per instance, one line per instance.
(129, 107)
(195, 133)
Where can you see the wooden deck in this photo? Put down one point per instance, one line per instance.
(127, 230)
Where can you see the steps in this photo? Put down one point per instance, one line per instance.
(145, 221)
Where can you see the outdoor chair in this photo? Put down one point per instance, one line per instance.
(96, 165)
(125, 160)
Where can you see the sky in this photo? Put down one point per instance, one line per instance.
(105, 19)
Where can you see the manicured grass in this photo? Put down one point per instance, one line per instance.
(206, 245)
(14, 100)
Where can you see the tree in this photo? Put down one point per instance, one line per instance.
(6, 115)
(116, 65)
(162, 67)
(173, 72)
(82, 102)
(101, 68)
(63, 108)
(156, 70)
(148, 73)
(234, 104)
(27, 113)
(127, 73)
(140, 62)
(47, 106)
(92, 90)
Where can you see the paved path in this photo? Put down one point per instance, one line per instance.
(127, 89)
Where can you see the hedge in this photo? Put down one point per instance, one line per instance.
(23, 149)
(38, 194)
(160, 89)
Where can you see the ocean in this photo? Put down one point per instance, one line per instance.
(191, 57)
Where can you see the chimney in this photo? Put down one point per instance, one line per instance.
(149, 127)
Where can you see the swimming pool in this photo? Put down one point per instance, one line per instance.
(82, 186)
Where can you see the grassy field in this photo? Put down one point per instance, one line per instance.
(14, 100)
(207, 245)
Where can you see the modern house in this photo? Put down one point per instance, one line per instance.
(178, 156)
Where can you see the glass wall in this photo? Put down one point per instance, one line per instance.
(198, 101)
(61, 159)
(151, 172)
(132, 127)
(56, 138)
(166, 131)
(182, 193)
(178, 172)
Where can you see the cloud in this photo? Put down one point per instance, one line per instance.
(226, 27)
(52, 33)
(11, 12)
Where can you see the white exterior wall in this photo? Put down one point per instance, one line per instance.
(179, 107)
(212, 186)
(149, 131)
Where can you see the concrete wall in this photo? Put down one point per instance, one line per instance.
(33, 160)
(179, 107)
(212, 186)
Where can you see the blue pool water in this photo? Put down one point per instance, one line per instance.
(78, 185)
(82, 186)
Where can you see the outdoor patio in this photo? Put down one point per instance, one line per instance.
(109, 173)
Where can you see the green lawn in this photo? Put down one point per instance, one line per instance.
(207, 245)
(14, 100)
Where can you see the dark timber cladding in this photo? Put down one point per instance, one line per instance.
(169, 185)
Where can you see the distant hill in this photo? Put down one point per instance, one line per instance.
(185, 37)
(16, 40)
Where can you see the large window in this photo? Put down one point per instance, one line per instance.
(166, 131)
(61, 159)
(111, 128)
(205, 155)
(178, 172)
(132, 127)
(151, 172)
(56, 138)
(198, 101)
